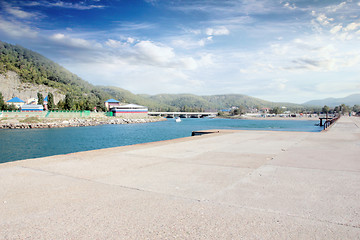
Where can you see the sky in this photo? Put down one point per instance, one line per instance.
(276, 50)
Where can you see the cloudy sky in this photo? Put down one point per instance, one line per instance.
(278, 50)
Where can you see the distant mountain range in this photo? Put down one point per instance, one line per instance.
(350, 100)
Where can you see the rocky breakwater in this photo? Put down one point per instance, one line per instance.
(76, 122)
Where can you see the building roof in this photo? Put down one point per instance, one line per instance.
(46, 99)
(112, 101)
(15, 100)
(131, 106)
(31, 106)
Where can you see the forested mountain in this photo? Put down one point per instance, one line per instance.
(123, 95)
(36, 69)
(350, 100)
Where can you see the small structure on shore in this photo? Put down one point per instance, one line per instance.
(130, 111)
(32, 101)
(111, 103)
(17, 102)
(45, 102)
(32, 108)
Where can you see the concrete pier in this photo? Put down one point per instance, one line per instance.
(224, 185)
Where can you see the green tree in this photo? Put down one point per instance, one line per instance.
(326, 110)
(276, 110)
(61, 105)
(50, 102)
(356, 108)
(242, 109)
(344, 108)
(69, 102)
(40, 99)
(10, 107)
(337, 109)
(234, 112)
(2, 102)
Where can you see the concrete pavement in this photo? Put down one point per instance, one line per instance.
(226, 185)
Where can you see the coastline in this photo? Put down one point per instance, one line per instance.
(273, 118)
(74, 122)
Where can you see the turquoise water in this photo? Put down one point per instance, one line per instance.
(32, 143)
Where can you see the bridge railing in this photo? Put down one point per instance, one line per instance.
(182, 114)
(329, 122)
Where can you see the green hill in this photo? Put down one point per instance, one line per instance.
(216, 102)
(36, 69)
(350, 100)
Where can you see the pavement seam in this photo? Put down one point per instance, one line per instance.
(317, 169)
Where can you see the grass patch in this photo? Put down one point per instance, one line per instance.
(31, 120)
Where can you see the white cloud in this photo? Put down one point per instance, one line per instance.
(80, 43)
(113, 43)
(131, 40)
(188, 42)
(277, 84)
(188, 63)
(15, 29)
(336, 29)
(334, 8)
(217, 31)
(152, 52)
(336, 86)
(61, 4)
(352, 26)
(17, 12)
(323, 19)
(290, 6)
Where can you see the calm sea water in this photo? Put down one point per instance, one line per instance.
(32, 143)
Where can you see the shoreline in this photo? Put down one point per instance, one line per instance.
(273, 118)
(74, 122)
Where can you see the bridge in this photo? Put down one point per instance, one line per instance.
(183, 114)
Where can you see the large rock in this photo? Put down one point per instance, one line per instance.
(11, 86)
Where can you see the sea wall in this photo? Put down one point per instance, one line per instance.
(54, 114)
(68, 114)
(75, 123)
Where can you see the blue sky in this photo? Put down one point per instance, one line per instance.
(278, 50)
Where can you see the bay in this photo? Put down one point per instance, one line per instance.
(18, 144)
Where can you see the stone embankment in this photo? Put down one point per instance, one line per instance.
(74, 123)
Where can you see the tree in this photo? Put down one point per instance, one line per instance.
(276, 110)
(50, 103)
(356, 108)
(344, 108)
(326, 109)
(11, 107)
(2, 102)
(337, 109)
(242, 109)
(235, 112)
(61, 105)
(69, 102)
(40, 99)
